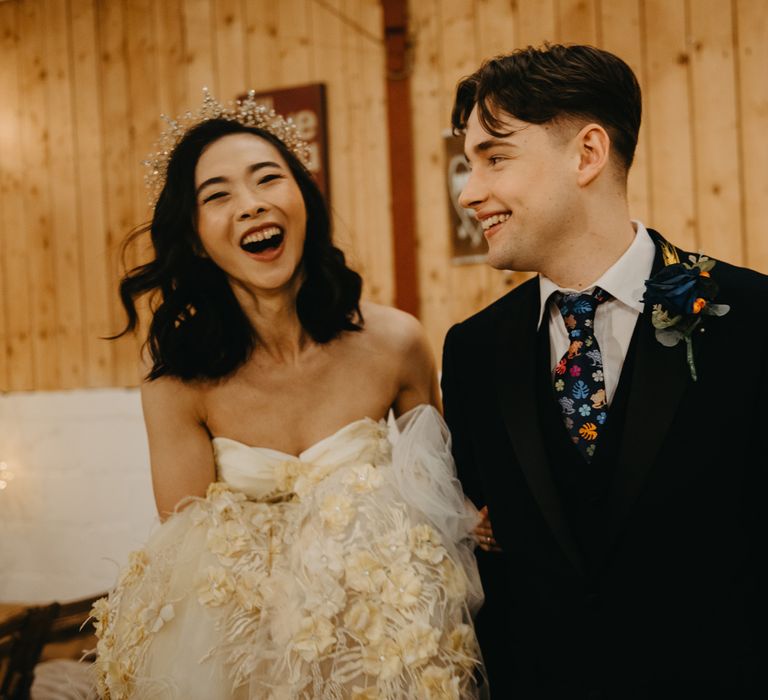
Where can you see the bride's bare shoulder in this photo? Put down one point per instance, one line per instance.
(393, 328)
(399, 339)
(171, 395)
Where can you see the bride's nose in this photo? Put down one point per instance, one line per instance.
(249, 207)
(250, 213)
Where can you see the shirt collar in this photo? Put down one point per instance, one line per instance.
(624, 280)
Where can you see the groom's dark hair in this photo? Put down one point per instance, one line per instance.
(555, 83)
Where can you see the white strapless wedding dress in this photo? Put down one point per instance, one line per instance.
(345, 572)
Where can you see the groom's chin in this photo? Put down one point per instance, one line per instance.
(499, 261)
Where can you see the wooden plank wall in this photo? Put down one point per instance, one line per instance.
(699, 174)
(82, 85)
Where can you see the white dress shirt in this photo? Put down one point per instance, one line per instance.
(615, 318)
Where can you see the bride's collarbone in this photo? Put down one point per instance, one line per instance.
(291, 416)
(333, 368)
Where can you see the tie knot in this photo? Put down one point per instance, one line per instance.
(578, 310)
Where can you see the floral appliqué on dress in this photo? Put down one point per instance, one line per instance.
(330, 587)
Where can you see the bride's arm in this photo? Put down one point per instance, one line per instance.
(418, 382)
(180, 450)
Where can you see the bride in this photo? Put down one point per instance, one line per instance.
(309, 549)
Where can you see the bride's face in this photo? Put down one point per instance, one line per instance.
(251, 217)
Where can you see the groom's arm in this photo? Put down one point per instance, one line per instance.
(454, 408)
(492, 626)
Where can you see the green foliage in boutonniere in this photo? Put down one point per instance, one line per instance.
(682, 294)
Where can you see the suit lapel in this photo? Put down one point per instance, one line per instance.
(659, 378)
(516, 369)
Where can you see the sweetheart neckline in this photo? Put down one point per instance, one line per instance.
(327, 438)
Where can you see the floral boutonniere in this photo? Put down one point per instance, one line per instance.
(682, 294)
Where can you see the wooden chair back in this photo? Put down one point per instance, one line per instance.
(21, 640)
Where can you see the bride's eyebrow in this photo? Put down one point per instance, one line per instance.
(264, 164)
(251, 169)
(210, 181)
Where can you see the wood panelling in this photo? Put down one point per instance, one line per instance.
(66, 249)
(668, 111)
(16, 366)
(82, 87)
(371, 168)
(751, 28)
(716, 167)
(699, 174)
(35, 74)
(620, 24)
(83, 82)
(89, 203)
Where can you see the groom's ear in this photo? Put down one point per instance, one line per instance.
(594, 146)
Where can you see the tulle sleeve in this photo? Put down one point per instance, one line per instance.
(425, 473)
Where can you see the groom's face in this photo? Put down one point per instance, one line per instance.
(523, 190)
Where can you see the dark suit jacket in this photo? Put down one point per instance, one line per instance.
(674, 605)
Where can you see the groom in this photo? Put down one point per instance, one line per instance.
(615, 431)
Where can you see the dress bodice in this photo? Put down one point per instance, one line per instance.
(265, 474)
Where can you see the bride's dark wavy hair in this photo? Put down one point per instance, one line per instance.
(198, 329)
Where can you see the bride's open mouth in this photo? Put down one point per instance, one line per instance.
(262, 240)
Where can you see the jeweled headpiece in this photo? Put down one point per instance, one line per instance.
(247, 112)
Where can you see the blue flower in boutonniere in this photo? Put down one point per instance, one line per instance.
(682, 295)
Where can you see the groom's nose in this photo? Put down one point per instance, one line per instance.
(473, 194)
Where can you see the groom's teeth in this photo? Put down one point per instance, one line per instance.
(262, 235)
(493, 220)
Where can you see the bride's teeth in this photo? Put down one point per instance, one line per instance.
(493, 220)
(262, 235)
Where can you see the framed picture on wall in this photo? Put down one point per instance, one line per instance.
(305, 105)
(468, 244)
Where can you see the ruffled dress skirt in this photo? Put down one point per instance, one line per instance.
(345, 572)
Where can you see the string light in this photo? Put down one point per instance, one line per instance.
(6, 476)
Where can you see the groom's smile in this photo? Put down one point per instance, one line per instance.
(492, 222)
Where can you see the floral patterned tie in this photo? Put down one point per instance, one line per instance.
(579, 381)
